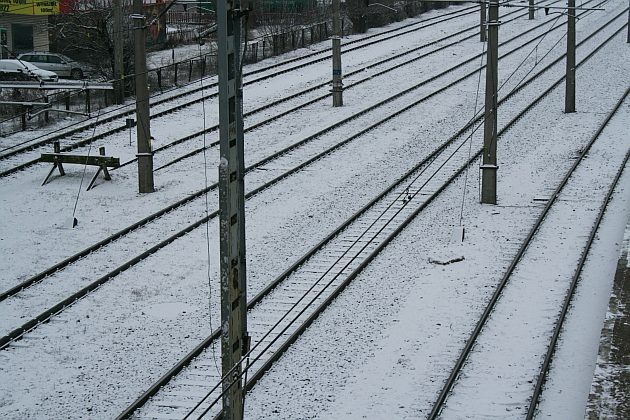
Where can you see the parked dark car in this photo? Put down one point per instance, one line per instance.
(59, 63)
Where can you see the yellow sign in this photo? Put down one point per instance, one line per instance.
(30, 7)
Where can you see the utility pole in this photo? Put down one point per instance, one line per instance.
(482, 21)
(143, 130)
(337, 85)
(531, 9)
(489, 166)
(119, 84)
(569, 97)
(234, 338)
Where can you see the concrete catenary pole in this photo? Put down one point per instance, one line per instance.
(531, 9)
(143, 131)
(489, 165)
(569, 98)
(482, 21)
(119, 73)
(337, 84)
(234, 338)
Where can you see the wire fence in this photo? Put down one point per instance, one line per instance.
(15, 118)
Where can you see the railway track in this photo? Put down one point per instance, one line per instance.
(25, 152)
(42, 348)
(281, 312)
(324, 86)
(182, 227)
(517, 364)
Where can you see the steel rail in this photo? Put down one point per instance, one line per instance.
(352, 85)
(59, 307)
(542, 376)
(262, 294)
(501, 286)
(40, 276)
(104, 120)
(278, 352)
(314, 53)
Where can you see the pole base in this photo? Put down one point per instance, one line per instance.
(489, 184)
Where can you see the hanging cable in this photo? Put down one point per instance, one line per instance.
(76, 202)
(469, 139)
(205, 176)
(535, 64)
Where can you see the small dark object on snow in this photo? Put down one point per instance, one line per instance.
(452, 260)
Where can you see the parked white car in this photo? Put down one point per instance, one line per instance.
(62, 65)
(23, 70)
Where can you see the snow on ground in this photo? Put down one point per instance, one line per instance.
(609, 391)
(388, 360)
(391, 327)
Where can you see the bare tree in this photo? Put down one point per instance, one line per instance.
(86, 33)
(278, 16)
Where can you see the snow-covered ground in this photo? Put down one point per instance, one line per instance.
(385, 346)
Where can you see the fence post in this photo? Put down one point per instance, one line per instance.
(312, 33)
(159, 76)
(203, 66)
(275, 44)
(23, 117)
(175, 75)
(190, 64)
(88, 105)
(46, 102)
(292, 40)
(303, 40)
(67, 101)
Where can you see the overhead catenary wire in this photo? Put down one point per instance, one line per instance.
(527, 82)
(247, 355)
(405, 192)
(351, 42)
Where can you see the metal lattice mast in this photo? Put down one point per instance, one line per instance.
(234, 339)
(145, 153)
(337, 85)
(569, 98)
(489, 166)
(119, 88)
